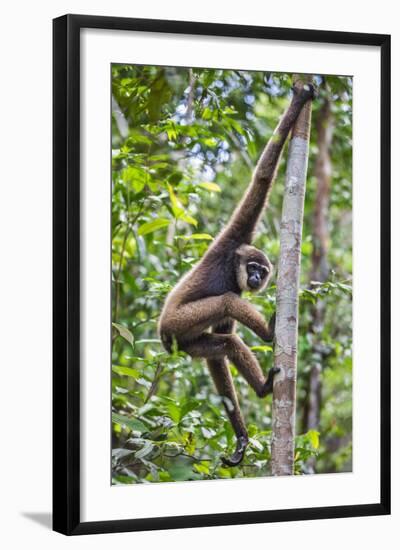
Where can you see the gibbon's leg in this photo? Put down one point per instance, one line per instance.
(222, 377)
(217, 346)
(189, 320)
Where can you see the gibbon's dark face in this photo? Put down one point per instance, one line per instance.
(254, 269)
(256, 275)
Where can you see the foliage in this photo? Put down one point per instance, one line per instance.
(184, 143)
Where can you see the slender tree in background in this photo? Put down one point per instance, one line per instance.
(320, 266)
(284, 395)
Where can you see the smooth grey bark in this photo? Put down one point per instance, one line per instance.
(285, 354)
(323, 174)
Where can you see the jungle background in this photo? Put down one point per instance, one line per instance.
(184, 144)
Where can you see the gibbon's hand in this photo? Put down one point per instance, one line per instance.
(270, 332)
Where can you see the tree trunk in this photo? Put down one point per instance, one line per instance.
(323, 170)
(284, 394)
(320, 265)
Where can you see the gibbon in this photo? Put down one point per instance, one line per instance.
(200, 312)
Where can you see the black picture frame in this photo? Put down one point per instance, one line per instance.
(66, 273)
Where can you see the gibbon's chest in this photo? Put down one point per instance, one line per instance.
(214, 276)
(221, 275)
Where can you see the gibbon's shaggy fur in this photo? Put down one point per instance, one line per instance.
(209, 296)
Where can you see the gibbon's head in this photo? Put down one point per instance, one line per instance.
(253, 268)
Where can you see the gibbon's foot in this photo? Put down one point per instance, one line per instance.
(238, 455)
(269, 384)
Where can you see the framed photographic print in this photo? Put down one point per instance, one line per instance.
(221, 274)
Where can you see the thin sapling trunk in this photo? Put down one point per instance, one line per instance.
(285, 355)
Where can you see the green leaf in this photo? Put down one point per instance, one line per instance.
(174, 412)
(136, 177)
(165, 476)
(210, 142)
(202, 468)
(132, 424)
(145, 450)
(187, 407)
(125, 371)
(237, 127)
(176, 205)
(178, 209)
(124, 332)
(207, 114)
(210, 186)
(308, 295)
(196, 236)
(306, 248)
(148, 341)
(256, 444)
(313, 436)
(261, 348)
(190, 442)
(188, 219)
(154, 225)
(346, 288)
(171, 131)
(121, 453)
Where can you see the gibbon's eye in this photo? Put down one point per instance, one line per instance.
(264, 271)
(254, 267)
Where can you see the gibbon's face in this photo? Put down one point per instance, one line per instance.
(254, 270)
(257, 275)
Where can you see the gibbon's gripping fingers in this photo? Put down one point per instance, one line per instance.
(307, 89)
(247, 315)
(212, 346)
(222, 377)
(269, 384)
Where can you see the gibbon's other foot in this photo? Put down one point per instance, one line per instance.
(238, 455)
(269, 384)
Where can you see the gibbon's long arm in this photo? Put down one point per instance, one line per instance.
(191, 319)
(247, 214)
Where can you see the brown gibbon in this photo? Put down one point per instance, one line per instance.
(200, 312)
